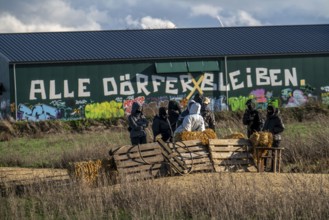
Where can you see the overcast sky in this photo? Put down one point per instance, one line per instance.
(84, 15)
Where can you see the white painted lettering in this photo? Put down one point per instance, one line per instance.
(123, 85)
(249, 81)
(234, 80)
(67, 94)
(222, 86)
(41, 89)
(142, 82)
(262, 79)
(208, 80)
(156, 82)
(114, 86)
(185, 81)
(82, 88)
(290, 77)
(126, 85)
(52, 91)
(274, 77)
(170, 85)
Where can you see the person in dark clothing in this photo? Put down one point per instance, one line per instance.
(207, 114)
(174, 111)
(198, 98)
(137, 124)
(274, 124)
(184, 113)
(252, 119)
(161, 125)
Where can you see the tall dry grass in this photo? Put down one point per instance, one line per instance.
(307, 151)
(199, 196)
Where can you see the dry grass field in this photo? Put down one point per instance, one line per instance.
(193, 196)
(41, 153)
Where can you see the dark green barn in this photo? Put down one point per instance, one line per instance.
(98, 74)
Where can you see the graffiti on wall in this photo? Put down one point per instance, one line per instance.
(122, 106)
(154, 91)
(37, 112)
(325, 95)
(105, 110)
(4, 105)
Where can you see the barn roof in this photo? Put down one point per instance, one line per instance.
(177, 43)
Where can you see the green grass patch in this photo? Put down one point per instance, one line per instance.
(53, 150)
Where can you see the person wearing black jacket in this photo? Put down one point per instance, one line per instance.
(198, 98)
(174, 111)
(252, 119)
(274, 124)
(137, 124)
(161, 125)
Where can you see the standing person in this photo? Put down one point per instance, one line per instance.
(192, 122)
(207, 114)
(185, 113)
(252, 119)
(137, 125)
(174, 111)
(274, 124)
(161, 125)
(198, 98)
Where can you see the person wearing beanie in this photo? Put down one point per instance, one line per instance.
(174, 111)
(274, 124)
(252, 119)
(137, 125)
(161, 125)
(198, 98)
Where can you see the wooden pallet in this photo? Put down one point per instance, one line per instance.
(187, 156)
(14, 178)
(232, 155)
(139, 162)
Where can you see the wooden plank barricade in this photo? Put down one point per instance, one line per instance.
(187, 156)
(162, 158)
(234, 155)
(139, 161)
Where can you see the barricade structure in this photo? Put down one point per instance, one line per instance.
(179, 158)
(148, 161)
